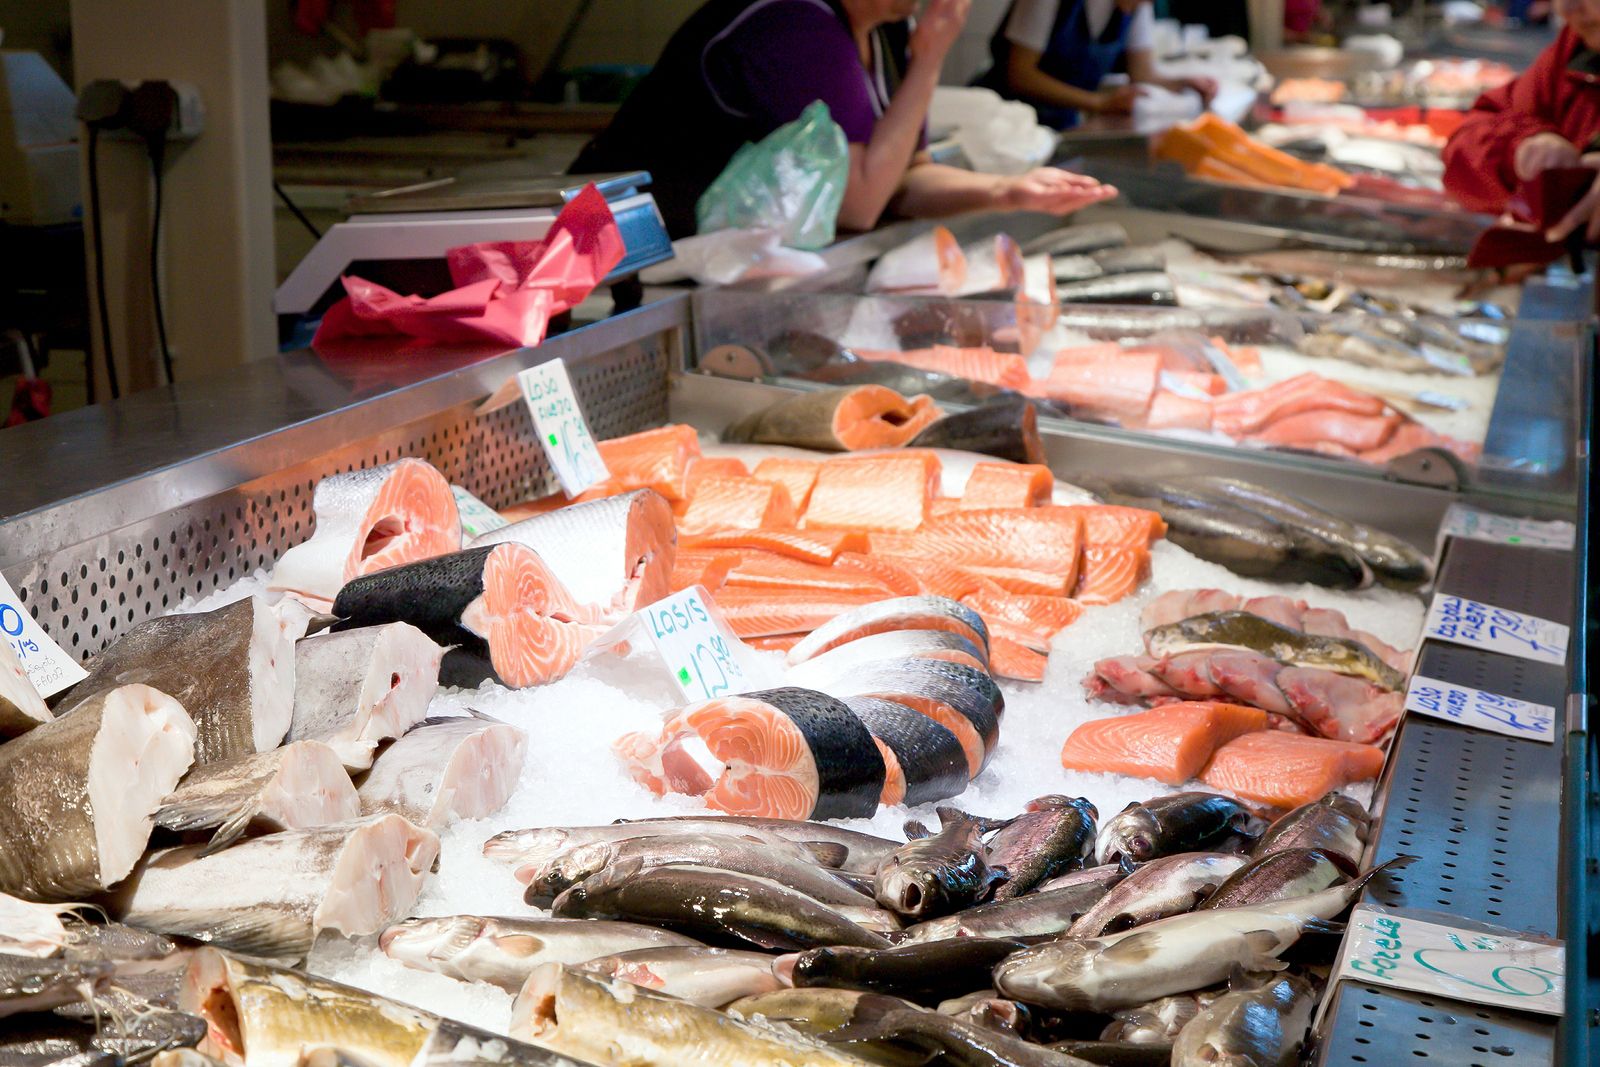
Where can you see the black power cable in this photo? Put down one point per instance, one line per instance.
(152, 110)
(157, 157)
(294, 209)
(98, 241)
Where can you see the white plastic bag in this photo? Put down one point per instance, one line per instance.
(998, 136)
(730, 256)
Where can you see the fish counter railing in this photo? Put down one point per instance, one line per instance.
(135, 508)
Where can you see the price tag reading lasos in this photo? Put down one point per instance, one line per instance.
(48, 667)
(562, 429)
(1480, 710)
(1480, 965)
(477, 518)
(1473, 524)
(700, 653)
(1476, 625)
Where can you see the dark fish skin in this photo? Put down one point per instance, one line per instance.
(1078, 240)
(1242, 629)
(850, 768)
(1007, 428)
(1394, 562)
(1116, 1053)
(30, 985)
(1037, 914)
(972, 693)
(1042, 843)
(940, 874)
(862, 853)
(955, 1041)
(1278, 875)
(1111, 261)
(430, 594)
(932, 760)
(963, 323)
(718, 907)
(804, 421)
(1146, 289)
(1246, 542)
(1180, 822)
(924, 973)
(1321, 824)
(802, 349)
(907, 381)
(1167, 886)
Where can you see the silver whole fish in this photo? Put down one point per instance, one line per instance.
(939, 874)
(232, 669)
(504, 951)
(862, 852)
(80, 790)
(709, 977)
(1054, 834)
(1279, 875)
(34, 985)
(1167, 886)
(455, 1044)
(300, 785)
(1260, 1027)
(1335, 824)
(356, 688)
(1157, 1022)
(1049, 910)
(530, 851)
(445, 769)
(955, 1040)
(1162, 826)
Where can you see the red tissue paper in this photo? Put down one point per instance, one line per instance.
(506, 291)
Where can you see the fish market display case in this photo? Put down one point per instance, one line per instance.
(129, 510)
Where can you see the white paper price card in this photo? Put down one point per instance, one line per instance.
(561, 427)
(1476, 625)
(700, 653)
(1476, 525)
(477, 518)
(1480, 710)
(49, 668)
(1386, 947)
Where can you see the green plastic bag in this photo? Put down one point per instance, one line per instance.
(791, 181)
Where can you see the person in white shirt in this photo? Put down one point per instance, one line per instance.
(1054, 54)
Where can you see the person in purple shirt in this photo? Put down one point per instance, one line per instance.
(739, 69)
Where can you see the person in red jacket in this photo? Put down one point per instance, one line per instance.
(1548, 117)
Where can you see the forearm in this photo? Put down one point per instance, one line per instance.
(1032, 84)
(878, 167)
(933, 190)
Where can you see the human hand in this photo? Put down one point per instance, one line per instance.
(937, 29)
(1206, 87)
(1542, 152)
(1118, 101)
(1585, 213)
(1052, 191)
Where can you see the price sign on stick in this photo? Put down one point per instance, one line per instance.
(1477, 625)
(49, 668)
(563, 431)
(700, 653)
(1483, 711)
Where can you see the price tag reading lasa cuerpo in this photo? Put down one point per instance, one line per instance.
(700, 654)
(1480, 710)
(1386, 947)
(561, 427)
(49, 668)
(477, 518)
(1476, 525)
(1476, 625)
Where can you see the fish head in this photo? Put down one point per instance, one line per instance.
(912, 891)
(28, 984)
(535, 1012)
(1047, 974)
(550, 879)
(526, 846)
(424, 943)
(1132, 835)
(575, 900)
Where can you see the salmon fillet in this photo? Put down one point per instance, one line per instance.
(768, 570)
(878, 492)
(996, 541)
(939, 579)
(795, 475)
(775, 642)
(1115, 526)
(816, 546)
(1170, 743)
(722, 503)
(1410, 436)
(1109, 574)
(1022, 581)
(704, 567)
(703, 467)
(1008, 485)
(1036, 619)
(886, 572)
(1122, 385)
(1286, 770)
(764, 612)
(1248, 411)
(654, 459)
(1011, 659)
(1005, 369)
(1172, 411)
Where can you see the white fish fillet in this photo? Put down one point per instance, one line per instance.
(358, 687)
(78, 793)
(21, 706)
(930, 263)
(368, 520)
(28, 929)
(446, 769)
(271, 896)
(300, 785)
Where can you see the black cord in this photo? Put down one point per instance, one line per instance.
(294, 210)
(100, 265)
(157, 157)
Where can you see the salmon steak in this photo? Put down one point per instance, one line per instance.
(613, 555)
(837, 420)
(1171, 743)
(923, 762)
(507, 614)
(1285, 770)
(366, 521)
(962, 699)
(781, 753)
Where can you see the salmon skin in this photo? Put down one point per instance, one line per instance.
(837, 420)
(820, 671)
(1006, 428)
(962, 700)
(508, 615)
(923, 759)
(615, 555)
(366, 521)
(787, 753)
(900, 613)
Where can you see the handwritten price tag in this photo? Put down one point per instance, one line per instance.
(1483, 711)
(1385, 947)
(1476, 525)
(49, 668)
(561, 427)
(477, 518)
(1477, 625)
(701, 655)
